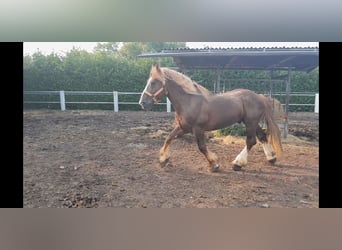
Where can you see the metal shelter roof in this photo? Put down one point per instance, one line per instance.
(298, 59)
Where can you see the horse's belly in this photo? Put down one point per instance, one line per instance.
(224, 113)
(214, 124)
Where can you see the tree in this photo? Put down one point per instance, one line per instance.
(131, 49)
(42, 72)
(107, 47)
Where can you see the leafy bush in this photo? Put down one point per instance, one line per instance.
(234, 130)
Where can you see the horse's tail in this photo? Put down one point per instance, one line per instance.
(273, 131)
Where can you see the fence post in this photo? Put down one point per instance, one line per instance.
(62, 99)
(168, 105)
(116, 101)
(316, 102)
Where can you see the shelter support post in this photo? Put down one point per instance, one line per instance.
(218, 82)
(271, 88)
(271, 84)
(287, 99)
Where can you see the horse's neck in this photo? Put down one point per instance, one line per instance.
(178, 96)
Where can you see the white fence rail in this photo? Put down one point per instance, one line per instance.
(116, 98)
(62, 98)
(315, 104)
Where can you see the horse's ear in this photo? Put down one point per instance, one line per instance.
(157, 66)
(157, 72)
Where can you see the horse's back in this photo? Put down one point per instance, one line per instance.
(253, 104)
(239, 92)
(246, 94)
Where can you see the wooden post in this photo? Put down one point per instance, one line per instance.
(62, 99)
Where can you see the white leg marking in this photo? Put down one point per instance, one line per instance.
(270, 154)
(241, 159)
(164, 154)
(211, 156)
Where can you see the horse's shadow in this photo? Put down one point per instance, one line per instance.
(169, 167)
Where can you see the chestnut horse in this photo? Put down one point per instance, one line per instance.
(198, 110)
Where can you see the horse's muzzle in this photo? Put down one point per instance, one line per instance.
(146, 105)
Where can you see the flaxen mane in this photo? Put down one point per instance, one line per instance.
(189, 85)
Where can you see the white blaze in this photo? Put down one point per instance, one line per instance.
(145, 89)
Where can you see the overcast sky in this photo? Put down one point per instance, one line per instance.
(63, 47)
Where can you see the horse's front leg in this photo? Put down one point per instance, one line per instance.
(164, 153)
(211, 157)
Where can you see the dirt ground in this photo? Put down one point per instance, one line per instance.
(107, 159)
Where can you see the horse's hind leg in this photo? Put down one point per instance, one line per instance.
(211, 157)
(164, 153)
(241, 159)
(268, 150)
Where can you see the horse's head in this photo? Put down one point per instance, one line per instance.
(154, 90)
